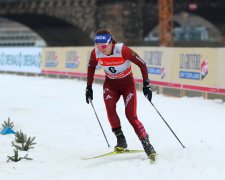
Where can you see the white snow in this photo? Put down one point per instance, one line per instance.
(66, 129)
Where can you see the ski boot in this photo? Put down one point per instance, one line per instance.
(121, 141)
(149, 150)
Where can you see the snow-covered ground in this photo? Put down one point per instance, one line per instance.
(66, 129)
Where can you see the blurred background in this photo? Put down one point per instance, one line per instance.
(178, 23)
(55, 38)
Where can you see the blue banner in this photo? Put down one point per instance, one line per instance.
(189, 75)
(152, 70)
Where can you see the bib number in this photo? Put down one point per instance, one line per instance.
(112, 69)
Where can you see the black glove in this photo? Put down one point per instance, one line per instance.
(147, 90)
(89, 94)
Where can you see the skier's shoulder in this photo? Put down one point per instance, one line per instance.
(127, 51)
(93, 54)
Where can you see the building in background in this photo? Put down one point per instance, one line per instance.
(190, 28)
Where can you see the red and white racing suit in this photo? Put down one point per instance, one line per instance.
(119, 81)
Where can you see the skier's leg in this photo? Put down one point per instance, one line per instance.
(129, 96)
(111, 97)
(130, 109)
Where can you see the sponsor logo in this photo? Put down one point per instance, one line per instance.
(193, 66)
(204, 69)
(163, 72)
(108, 97)
(153, 61)
(52, 59)
(189, 75)
(100, 37)
(100, 61)
(111, 62)
(72, 59)
(154, 70)
(153, 58)
(129, 97)
(157, 71)
(106, 90)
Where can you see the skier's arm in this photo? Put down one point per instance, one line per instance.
(91, 68)
(133, 57)
(127, 53)
(90, 76)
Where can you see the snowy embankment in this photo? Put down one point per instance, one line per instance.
(66, 129)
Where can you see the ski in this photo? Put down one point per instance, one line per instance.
(125, 151)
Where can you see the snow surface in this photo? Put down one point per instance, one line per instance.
(66, 129)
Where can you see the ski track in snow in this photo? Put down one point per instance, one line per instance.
(66, 129)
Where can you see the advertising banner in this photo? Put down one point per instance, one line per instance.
(158, 61)
(72, 61)
(52, 60)
(75, 62)
(27, 60)
(221, 68)
(195, 66)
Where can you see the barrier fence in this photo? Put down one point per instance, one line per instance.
(172, 71)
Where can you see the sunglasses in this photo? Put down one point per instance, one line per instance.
(101, 46)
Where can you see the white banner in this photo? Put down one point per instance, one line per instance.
(24, 59)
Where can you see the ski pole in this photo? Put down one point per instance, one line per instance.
(167, 125)
(99, 122)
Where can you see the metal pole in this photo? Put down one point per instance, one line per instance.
(168, 125)
(99, 123)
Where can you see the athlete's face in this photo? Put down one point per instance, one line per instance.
(105, 48)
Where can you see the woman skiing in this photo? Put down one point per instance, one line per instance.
(116, 58)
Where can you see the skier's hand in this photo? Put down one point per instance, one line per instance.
(89, 94)
(147, 90)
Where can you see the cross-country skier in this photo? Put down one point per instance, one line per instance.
(116, 60)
